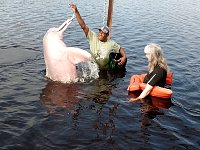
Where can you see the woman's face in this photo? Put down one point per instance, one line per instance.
(147, 53)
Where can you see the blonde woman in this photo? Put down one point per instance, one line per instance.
(157, 68)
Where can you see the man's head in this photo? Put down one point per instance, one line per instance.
(103, 33)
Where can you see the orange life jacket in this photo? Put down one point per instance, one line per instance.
(136, 83)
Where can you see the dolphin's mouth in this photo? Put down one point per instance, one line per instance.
(73, 16)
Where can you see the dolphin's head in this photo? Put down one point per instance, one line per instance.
(54, 33)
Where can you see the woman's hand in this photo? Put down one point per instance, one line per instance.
(134, 99)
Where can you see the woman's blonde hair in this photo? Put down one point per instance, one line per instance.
(156, 57)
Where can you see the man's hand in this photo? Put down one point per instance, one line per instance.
(73, 7)
(121, 61)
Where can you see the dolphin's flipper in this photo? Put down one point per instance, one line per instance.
(77, 55)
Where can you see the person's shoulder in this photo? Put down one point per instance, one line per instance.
(91, 33)
(159, 69)
(113, 42)
(89, 30)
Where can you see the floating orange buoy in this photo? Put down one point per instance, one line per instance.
(136, 83)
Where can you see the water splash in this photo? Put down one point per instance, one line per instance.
(87, 71)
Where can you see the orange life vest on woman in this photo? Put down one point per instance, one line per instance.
(136, 83)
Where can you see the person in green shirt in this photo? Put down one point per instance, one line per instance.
(100, 45)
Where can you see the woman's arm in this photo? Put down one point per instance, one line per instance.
(144, 93)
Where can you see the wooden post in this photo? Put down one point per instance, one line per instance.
(110, 12)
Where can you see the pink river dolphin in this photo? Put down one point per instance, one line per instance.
(61, 60)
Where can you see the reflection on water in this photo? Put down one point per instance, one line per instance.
(60, 95)
(79, 117)
(39, 114)
(77, 99)
(151, 106)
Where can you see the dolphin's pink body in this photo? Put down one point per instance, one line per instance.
(60, 60)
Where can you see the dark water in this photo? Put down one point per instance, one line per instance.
(39, 114)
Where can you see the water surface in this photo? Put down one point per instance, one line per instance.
(39, 114)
